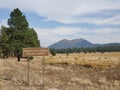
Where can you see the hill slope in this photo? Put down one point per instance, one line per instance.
(72, 43)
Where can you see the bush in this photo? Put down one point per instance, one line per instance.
(30, 58)
(53, 52)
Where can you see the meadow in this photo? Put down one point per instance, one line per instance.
(98, 60)
(76, 71)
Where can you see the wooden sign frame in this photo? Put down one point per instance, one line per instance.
(28, 52)
(35, 52)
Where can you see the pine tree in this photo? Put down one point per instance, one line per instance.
(4, 42)
(19, 34)
(17, 20)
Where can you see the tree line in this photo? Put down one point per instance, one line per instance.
(17, 35)
(102, 49)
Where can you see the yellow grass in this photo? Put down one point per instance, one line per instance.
(14, 74)
(90, 59)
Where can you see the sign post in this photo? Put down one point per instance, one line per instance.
(43, 71)
(28, 52)
(28, 60)
(28, 69)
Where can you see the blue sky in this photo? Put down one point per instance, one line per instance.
(97, 21)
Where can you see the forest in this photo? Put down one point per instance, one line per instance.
(102, 49)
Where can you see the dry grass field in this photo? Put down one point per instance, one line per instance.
(97, 60)
(78, 71)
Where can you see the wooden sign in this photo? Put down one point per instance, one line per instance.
(35, 52)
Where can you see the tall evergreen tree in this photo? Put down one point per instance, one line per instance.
(19, 34)
(17, 20)
(4, 41)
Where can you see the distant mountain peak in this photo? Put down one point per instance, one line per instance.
(77, 43)
(64, 43)
(78, 40)
(64, 40)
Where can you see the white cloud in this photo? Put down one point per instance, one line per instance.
(103, 35)
(105, 21)
(64, 11)
(102, 39)
(49, 36)
(105, 31)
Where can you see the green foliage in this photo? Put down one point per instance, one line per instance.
(18, 35)
(30, 58)
(102, 49)
(53, 52)
(17, 20)
(4, 42)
